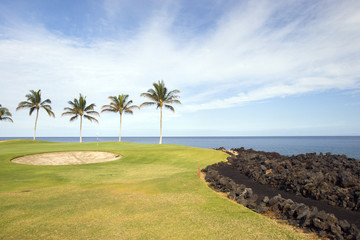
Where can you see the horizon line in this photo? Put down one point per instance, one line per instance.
(186, 136)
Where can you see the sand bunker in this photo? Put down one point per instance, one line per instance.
(67, 158)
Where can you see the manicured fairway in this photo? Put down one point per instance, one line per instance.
(153, 192)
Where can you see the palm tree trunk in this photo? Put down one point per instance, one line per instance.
(37, 115)
(160, 126)
(80, 128)
(120, 128)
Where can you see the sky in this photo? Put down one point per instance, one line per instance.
(243, 68)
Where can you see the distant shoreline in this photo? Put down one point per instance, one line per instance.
(348, 145)
(265, 136)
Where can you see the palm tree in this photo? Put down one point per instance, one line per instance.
(79, 108)
(5, 115)
(121, 105)
(34, 102)
(162, 98)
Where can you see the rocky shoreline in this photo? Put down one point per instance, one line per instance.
(333, 178)
(309, 182)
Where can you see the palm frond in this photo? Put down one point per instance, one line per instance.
(74, 118)
(91, 118)
(129, 111)
(34, 97)
(46, 106)
(4, 112)
(108, 108)
(23, 105)
(90, 107)
(172, 95)
(175, 91)
(32, 110)
(82, 102)
(169, 107)
(48, 110)
(73, 110)
(146, 104)
(145, 94)
(5, 115)
(152, 91)
(174, 101)
(93, 113)
(112, 98)
(132, 107)
(31, 97)
(123, 97)
(152, 97)
(69, 113)
(126, 104)
(6, 119)
(71, 103)
(47, 101)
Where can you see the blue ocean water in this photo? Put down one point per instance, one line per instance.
(348, 145)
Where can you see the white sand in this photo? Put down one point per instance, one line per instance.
(67, 158)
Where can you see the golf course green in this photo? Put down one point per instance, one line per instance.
(151, 192)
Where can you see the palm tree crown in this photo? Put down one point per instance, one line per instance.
(119, 104)
(5, 115)
(78, 108)
(162, 98)
(34, 103)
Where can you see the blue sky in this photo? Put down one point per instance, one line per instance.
(244, 68)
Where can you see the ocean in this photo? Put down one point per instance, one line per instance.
(348, 145)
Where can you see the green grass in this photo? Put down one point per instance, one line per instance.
(153, 192)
